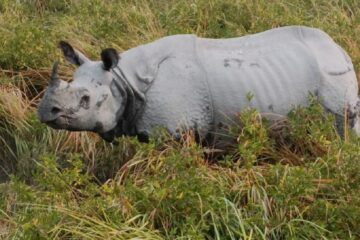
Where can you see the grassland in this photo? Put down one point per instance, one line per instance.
(302, 183)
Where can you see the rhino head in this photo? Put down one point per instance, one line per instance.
(91, 101)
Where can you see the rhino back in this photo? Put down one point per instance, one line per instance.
(271, 71)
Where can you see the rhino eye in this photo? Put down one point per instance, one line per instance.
(55, 110)
(84, 101)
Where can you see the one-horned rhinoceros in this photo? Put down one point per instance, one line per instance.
(200, 83)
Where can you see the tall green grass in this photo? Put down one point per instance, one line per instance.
(300, 181)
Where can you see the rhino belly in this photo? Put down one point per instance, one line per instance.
(272, 79)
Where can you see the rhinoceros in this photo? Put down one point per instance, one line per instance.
(184, 81)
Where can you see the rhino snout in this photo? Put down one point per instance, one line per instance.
(48, 114)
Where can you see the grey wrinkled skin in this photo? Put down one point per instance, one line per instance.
(185, 82)
(85, 104)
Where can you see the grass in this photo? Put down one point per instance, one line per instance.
(298, 182)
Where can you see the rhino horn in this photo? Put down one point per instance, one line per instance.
(54, 78)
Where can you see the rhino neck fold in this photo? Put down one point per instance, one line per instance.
(127, 114)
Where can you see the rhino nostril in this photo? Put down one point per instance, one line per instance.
(55, 110)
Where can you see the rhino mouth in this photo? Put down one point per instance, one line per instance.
(61, 122)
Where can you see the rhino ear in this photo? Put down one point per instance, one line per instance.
(110, 58)
(72, 55)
